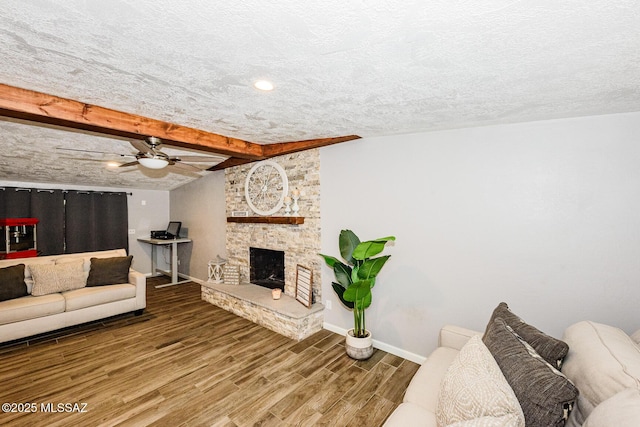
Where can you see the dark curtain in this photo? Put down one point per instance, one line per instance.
(112, 217)
(80, 224)
(96, 221)
(48, 207)
(15, 202)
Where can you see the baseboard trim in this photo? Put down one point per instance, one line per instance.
(416, 358)
(381, 345)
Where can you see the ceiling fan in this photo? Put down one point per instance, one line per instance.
(150, 156)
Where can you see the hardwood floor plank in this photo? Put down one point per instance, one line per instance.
(185, 362)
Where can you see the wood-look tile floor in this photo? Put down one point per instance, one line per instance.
(185, 362)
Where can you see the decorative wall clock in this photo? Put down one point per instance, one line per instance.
(266, 187)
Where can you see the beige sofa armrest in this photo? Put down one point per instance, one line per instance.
(455, 336)
(636, 337)
(140, 281)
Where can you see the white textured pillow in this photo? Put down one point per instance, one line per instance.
(50, 279)
(474, 392)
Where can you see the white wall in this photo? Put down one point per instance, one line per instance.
(200, 206)
(152, 215)
(542, 215)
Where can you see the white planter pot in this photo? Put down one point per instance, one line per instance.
(359, 348)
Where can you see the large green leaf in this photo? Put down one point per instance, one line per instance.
(371, 267)
(348, 241)
(358, 291)
(329, 260)
(342, 273)
(370, 248)
(340, 292)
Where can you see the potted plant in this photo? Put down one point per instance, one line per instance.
(354, 279)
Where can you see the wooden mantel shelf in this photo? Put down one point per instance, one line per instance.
(295, 220)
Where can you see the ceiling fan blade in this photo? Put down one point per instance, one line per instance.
(185, 167)
(208, 159)
(128, 164)
(141, 146)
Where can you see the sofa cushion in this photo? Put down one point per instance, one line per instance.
(602, 361)
(620, 410)
(90, 296)
(545, 394)
(410, 414)
(425, 385)
(109, 271)
(30, 307)
(551, 349)
(49, 279)
(474, 388)
(12, 282)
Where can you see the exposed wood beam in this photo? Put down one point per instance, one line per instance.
(43, 108)
(282, 148)
(272, 150)
(230, 162)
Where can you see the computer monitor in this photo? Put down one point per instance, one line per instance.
(173, 229)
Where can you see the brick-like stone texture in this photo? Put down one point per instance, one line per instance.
(277, 321)
(300, 243)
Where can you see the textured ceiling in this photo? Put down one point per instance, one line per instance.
(339, 67)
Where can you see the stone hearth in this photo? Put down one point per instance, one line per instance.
(285, 316)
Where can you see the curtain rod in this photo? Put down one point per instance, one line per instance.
(65, 191)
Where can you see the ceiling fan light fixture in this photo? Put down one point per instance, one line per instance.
(153, 162)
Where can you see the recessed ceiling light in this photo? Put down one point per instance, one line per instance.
(263, 85)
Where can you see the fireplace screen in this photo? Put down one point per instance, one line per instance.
(266, 268)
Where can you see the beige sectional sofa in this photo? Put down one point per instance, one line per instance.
(598, 384)
(44, 309)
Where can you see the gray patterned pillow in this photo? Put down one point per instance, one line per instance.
(545, 394)
(551, 349)
(53, 278)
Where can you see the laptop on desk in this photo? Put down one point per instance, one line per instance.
(172, 231)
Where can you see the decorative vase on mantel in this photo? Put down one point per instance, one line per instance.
(359, 348)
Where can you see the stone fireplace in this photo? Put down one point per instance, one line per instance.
(298, 243)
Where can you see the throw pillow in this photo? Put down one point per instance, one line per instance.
(109, 271)
(620, 410)
(53, 278)
(545, 394)
(475, 392)
(551, 349)
(603, 361)
(12, 282)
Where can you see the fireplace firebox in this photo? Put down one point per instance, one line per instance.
(266, 268)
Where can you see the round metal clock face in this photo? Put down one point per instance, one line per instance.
(266, 187)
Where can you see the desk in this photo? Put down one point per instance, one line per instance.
(174, 257)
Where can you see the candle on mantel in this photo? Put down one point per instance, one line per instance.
(287, 199)
(295, 193)
(275, 293)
